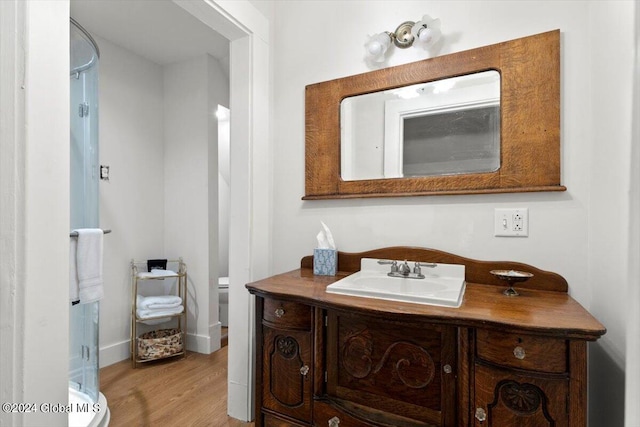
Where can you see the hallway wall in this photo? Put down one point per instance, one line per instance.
(131, 101)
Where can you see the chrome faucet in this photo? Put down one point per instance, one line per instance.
(403, 270)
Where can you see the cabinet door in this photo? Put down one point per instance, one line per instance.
(402, 370)
(508, 398)
(286, 372)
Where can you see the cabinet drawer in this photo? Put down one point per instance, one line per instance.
(326, 415)
(273, 421)
(522, 351)
(286, 314)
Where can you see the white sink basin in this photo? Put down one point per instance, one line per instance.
(443, 284)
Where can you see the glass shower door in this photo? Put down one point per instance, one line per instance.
(83, 321)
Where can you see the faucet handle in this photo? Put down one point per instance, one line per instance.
(417, 267)
(426, 264)
(394, 264)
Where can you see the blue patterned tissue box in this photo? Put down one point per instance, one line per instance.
(325, 262)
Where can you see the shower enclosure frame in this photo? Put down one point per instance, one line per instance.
(84, 380)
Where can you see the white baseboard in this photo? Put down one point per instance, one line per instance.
(215, 332)
(114, 353)
(206, 344)
(236, 401)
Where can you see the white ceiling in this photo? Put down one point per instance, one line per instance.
(157, 30)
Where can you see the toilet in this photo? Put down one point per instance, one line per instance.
(223, 300)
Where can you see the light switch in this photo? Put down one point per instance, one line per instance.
(511, 222)
(104, 173)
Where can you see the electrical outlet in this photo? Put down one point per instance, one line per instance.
(511, 222)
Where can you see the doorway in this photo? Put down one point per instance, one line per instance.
(247, 32)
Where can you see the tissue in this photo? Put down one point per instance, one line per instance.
(325, 257)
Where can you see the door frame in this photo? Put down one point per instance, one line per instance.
(248, 33)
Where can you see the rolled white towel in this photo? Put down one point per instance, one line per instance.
(158, 302)
(144, 314)
(157, 274)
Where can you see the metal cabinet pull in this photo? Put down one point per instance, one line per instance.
(334, 422)
(519, 353)
(447, 369)
(304, 370)
(279, 312)
(481, 415)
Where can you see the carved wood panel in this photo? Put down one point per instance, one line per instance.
(513, 399)
(397, 368)
(405, 362)
(286, 385)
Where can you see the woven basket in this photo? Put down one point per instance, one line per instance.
(161, 343)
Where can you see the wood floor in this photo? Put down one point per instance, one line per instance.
(181, 392)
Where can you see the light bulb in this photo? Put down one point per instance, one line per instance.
(427, 32)
(377, 46)
(374, 48)
(428, 36)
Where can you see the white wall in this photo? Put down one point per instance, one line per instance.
(34, 213)
(186, 191)
(132, 201)
(193, 89)
(568, 232)
(224, 188)
(609, 216)
(632, 389)
(218, 94)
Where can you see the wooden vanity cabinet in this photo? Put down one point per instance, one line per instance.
(286, 353)
(340, 361)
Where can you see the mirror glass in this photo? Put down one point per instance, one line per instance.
(443, 127)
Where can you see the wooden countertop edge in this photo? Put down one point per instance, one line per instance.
(534, 311)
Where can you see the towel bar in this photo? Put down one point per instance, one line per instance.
(75, 233)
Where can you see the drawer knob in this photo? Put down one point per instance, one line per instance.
(279, 312)
(519, 353)
(447, 369)
(481, 415)
(334, 422)
(304, 370)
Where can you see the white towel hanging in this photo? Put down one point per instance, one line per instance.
(86, 268)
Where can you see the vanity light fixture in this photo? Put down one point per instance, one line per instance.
(424, 33)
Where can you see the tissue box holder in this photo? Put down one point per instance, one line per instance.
(325, 262)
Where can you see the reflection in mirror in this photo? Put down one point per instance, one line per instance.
(444, 127)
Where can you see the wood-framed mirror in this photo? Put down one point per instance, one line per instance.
(526, 114)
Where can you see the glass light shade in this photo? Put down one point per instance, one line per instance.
(377, 46)
(427, 31)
